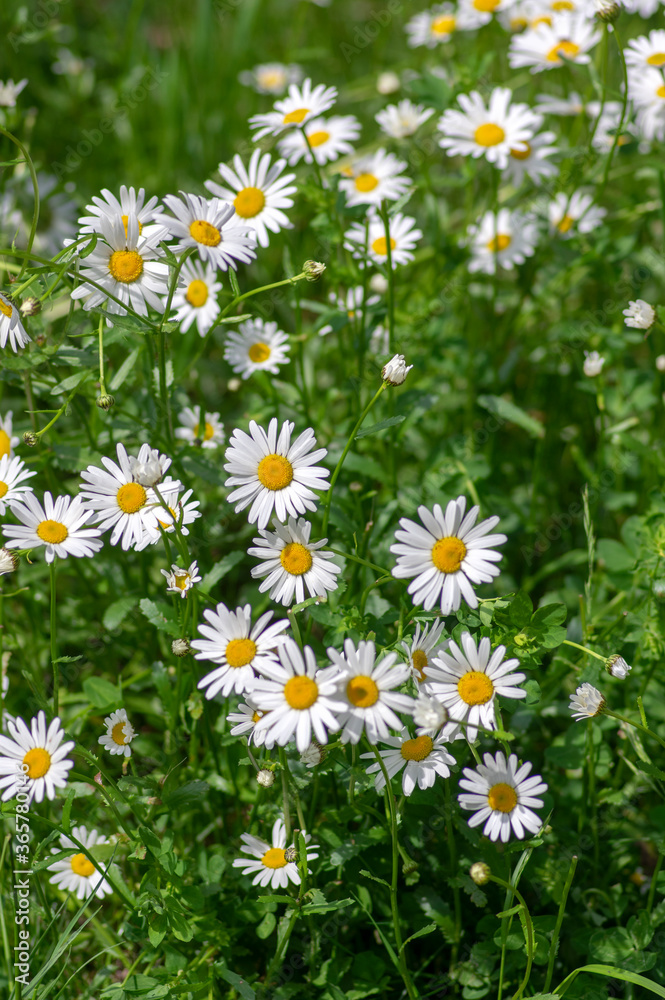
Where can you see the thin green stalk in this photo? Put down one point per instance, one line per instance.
(636, 725)
(285, 794)
(557, 927)
(102, 386)
(53, 637)
(281, 948)
(35, 188)
(452, 853)
(592, 800)
(391, 279)
(585, 649)
(530, 937)
(257, 291)
(3, 928)
(295, 628)
(624, 105)
(654, 880)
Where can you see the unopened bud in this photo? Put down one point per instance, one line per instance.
(180, 647)
(396, 370)
(617, 666)
(30, 306)
(265, 778)
(607, 10)
(8, 561)
(480, 872)
(30, 438)
(313, 269)
(105, 401)
(290, 854)
(409, 867)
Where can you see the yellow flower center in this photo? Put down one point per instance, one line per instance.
(563, 48)
(296, 559)
(52, 532)
(5, 308)
(249, 202)
(205, 233)
(240, 652)
(566, 224)
(259, 352)
(417, 749)
(81, 866)
(275, 472)
(380, 246)
(448, 554)
(475, 688)
(518, 22)
(489, 134)
(443, 25)
(295, 117)
(118, 734)
(301, 692)
(562, 5)
(126, 266)
(125, 220)
(131, 497)
(207, 433)
(318, 138)
(486, 6)
(521, 154)
(197, 293)
(419, 661)
(181, 580)
(256, 716)
(362, 691)
(38, 761)
(5, 446)
(657, 59)
(274, 858)
(661, 91)
(545, 19)
(3, 489)
(500, 242)
(168, 524)
(271, 78)
(366, 182)
(502, 797)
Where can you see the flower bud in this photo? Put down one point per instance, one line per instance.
(105, 401)
(180, 647)
(607, 10)
(290, 854)
(313, 269)
(30, 438)
(265, 778)
(30, 306)
(396, 370)
(480, 872)
(8, 561)
(617, 666)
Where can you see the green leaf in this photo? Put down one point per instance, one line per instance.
(101, 693)
(612, 972)
(190, 792)
(71, 382)
(649, 768)
(161, 616)
(220, 570)
(87, 250)
(125, 368)
(520, 610)
(616, 556)
(381, 426)
(326, 907)
(513, 414)
(240, 984)
(427, 929)
(374, 878)
(116, 613)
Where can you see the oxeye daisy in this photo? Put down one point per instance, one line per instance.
(501, 795)
(33, 760)
(367, 690)
(374, 179)
(586, 702)
(533, 161)
(259, 193)
(119, 733)
(327, 138)
(12, 473)
(240, 648)
(291, 563)
(245, 719)
(575, 213)
(301, 104)
(371, 244)
(639, 315)
(646, 50)
(466, 682)
(434, 26)
(207, 226)
(492, 131)
(179, 581)
(271, 78)
(206, 432)
(271, 866)
(421, 759)
(58, 525)
(448, 556)
(130, 203)
(195, 298)
(272, 473)
(402, 119)
(11, 327)
(297, 697)
(8, 440)
(181, 510)
(501, 240)
(569, 38)
(256, 346)
(77, 873)
(647, 88)
(426, 644)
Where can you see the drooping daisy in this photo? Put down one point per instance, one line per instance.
(245, 719)
(421, 758)
(209, 227)
(256, 346)
(493, 131)
(374, 179)
(205, 433)
(466, 682)
(429, 716)
(327, 138)
(58, 525)
(501, 240)
(8, 440)
(149, 466)
(367, 690)
(11, 327)
(259, 193)
(271, 78)
(586, 702)
(119, 733)
(272, 473)
(298, 698)
(569, 37)
(33, 760)
(639, 315)
(240, 648)
(448, 556)
(533, 161)
(107, 207)
(77, 874)
(195, 298)
(647, 50)
(179, 581)
(291, 563)
(301, 104)
(372, 245)
(434, 26)
(501, 795)
(575, 213)
(425, 645)
(12, 473)
(272, 867)
(8, 563)
(402, 119)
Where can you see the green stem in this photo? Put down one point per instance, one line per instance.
(530, 938)
(35, 188)
(557, 927)
(624, 105)
(391, 279)
(285, 794)
(593, 805)
(257, 291)
(53, 637)
(654, 880)
(636, 725)
(585, 649)
(102, 386)
(452, 852)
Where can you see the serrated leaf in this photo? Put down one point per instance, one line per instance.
(161, 616)
(374, 878)
(513, 414)
(381, 426)
(116, 613)
(101, 693)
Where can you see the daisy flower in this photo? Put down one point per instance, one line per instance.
(429, 716)
(426, 644)
(367, 690)
(291, 563)
(271, 78)
(33, 760)
(421, 759)
(639, 315)
(501, 795)
(259, 193)
(434, 26)
(533, 161)
(245, 719)
(273, 473)
(302, 103)
(298, 699)
(78, 874)
(9, 91)
(149, 466)
(646, 50)
(593, 364)
(371, 244)
(501, 240)
(205, 224)
(131, 203)
(58, 525)
(467, 681)
(374, 179)
(403, 119)
(586, 702)
(181, 510)
(11, 327)
(206, 433)
(477, 13)
(8, 440)
(647, 88)
(12, 472)
(575, 213)
(240, 648)
(119, 733)
(448, 556)
(493, 131)
(179, 581)
(328, 139)
(569, 38)
(271, 866)
(256, 346)
(195, 298)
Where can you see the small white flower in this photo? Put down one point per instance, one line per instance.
(206, 432)
(8, 440)
(271, 867)
(148, 467)
(9, 91)
(58, 525)
(425, 645)
(179, 581)
(660, 362)
(245, 720)
(209, 227)
(569, 36)
(646, 50)
(640, 314)
(573, 213)
(271, 78)
(593, 363)
(501, 240)
(119, 733)
(501, 795)
(586, 702)
(387, 82)
(195, 298)
(371, 244)
(402, 119)
(108, 207)
(33, 760)
(256, 346)
(8, 562)
(10, 326)
(12, 473)
(313, 755)
(617, 667)
(303, 102)
(327, 138)
(265, 778)
(291, 563)
(259, 193)
(375, 179)
(429, 714)
(395, 371)
(77, 874)
(422, 759)
(492, 131)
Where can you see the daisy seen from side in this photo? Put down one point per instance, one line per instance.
(34, 760)
(587, 702)
(181, 510)
(374, 179)
(77, 874)
(501, 795)
(421, 759)
(257, 346)
(119, 734)
(8, 440)
(195, 298)
(327, 140)
(130, 203)
(425, 645)
(492, 131)
(13, 472)
(259, 193)
(371, 245)
(292, 564)
(59, 525)
(268, 863)
(646, 50)
(434, 26)
(300, 105)
(532, 162)
(478, 13)
(205, 432)
(11, 327)
(209, 227)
